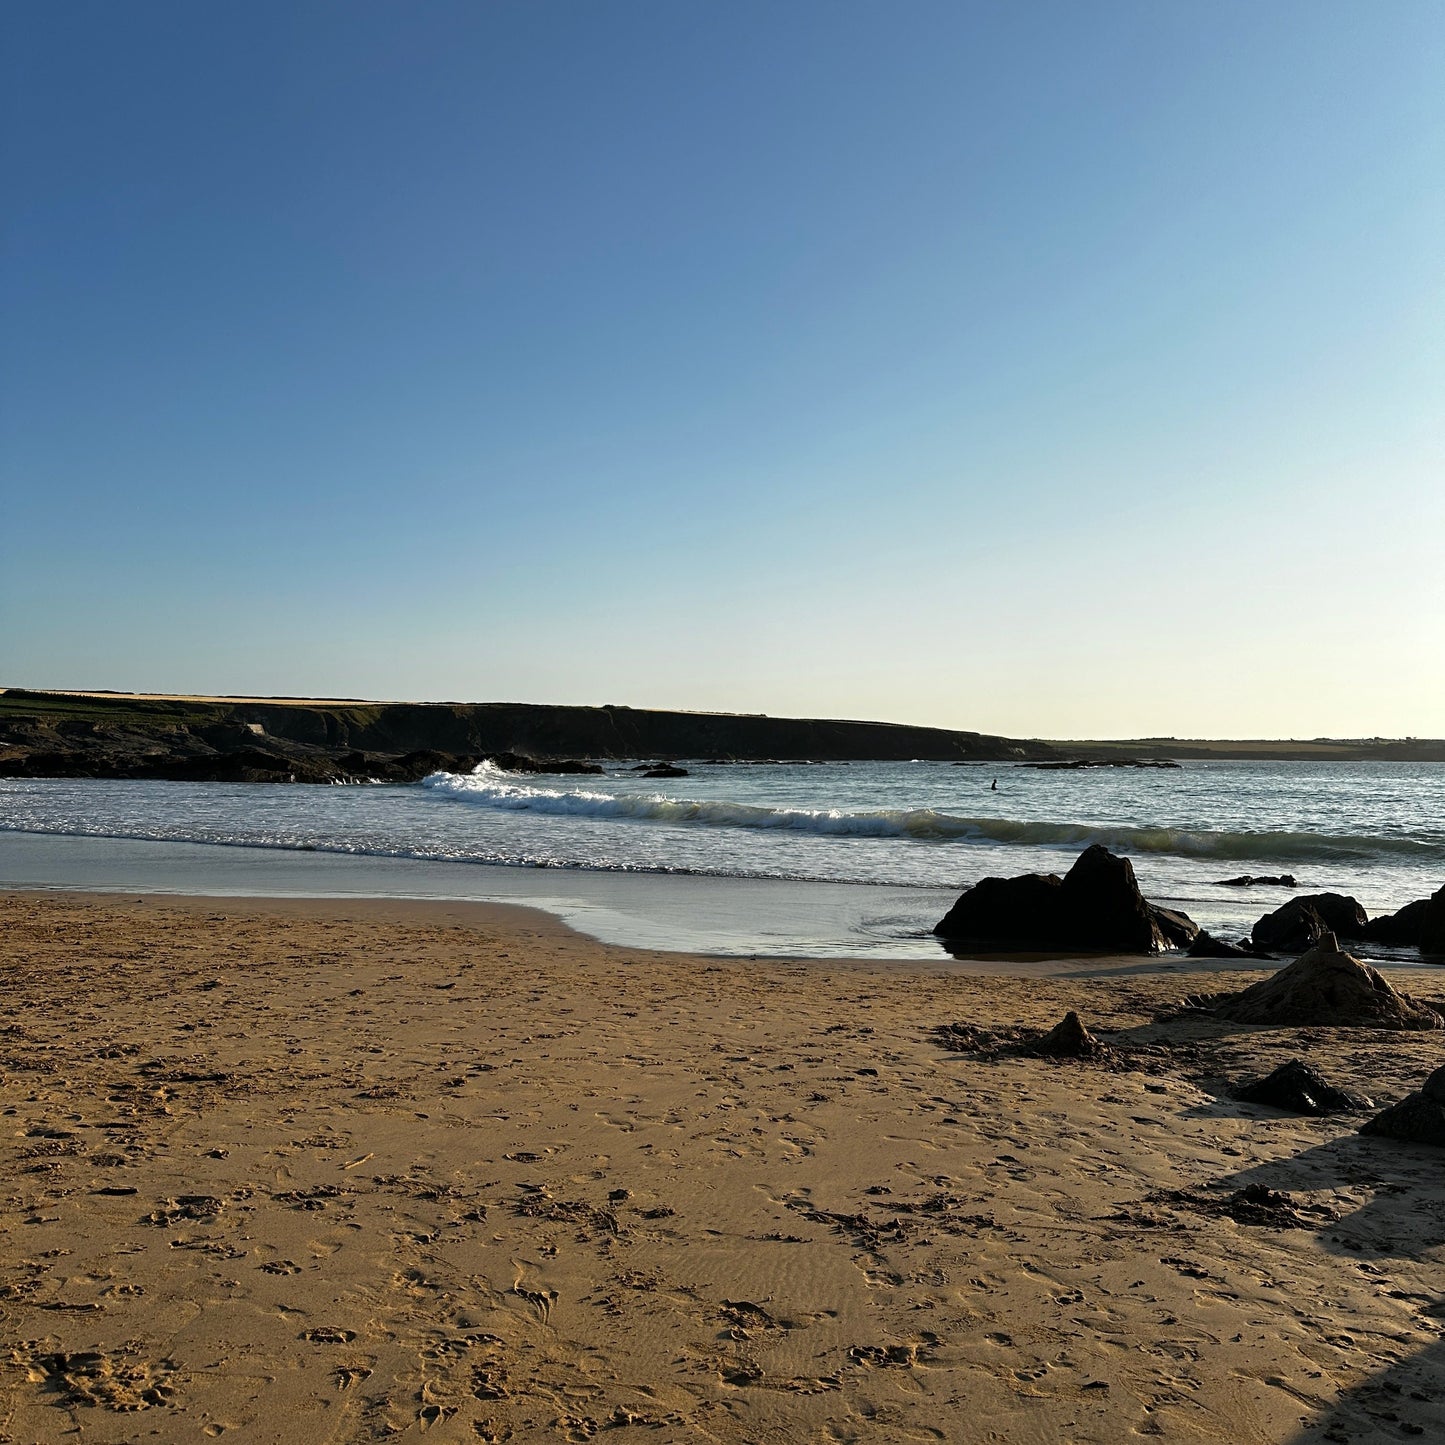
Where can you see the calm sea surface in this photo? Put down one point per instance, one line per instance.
(924, 830)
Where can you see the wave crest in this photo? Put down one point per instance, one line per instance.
(489, 788)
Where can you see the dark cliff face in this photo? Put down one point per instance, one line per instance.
(52, 735)
(622, 733)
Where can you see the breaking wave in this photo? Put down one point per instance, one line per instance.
(489, 788)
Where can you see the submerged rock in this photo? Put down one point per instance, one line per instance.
(1302, 922)
(1418, 1118)
(1299, 1089)
(665, 770)
(1249, 880)
(1328, 986)
(1097, 905)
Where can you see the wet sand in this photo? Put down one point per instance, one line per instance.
(339, 1170)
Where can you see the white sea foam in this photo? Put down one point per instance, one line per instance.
(488, 787)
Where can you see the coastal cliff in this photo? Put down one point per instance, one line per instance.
(122, 736)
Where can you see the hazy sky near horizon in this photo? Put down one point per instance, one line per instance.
(1057, 369)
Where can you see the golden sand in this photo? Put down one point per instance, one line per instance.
(334, 1172)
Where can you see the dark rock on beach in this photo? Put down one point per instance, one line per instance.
(1327, 986)
(1432, 926)
(1418, 1118)
(1206, 945)
(1299, 1089)
(1101, 902)
(1402, 929)
(1097, 905)
(1302, 922)
(1179, 928)
(1249, 880)
(1005, 911)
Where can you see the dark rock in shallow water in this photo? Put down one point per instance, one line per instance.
(1075, 764)
(1068, 1039)
(1328, 986)
(665, 770)
(1302, 922)
(1206, 945)
(1298, 1088)
(1248, 880)
(1432, 926)
(1418, 1118)
(1103, 907)
(1178, 928)
(1008, 911)
(519, 763)
(1401, 929)
(1097, 905)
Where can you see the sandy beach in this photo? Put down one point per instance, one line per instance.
(314, 1171)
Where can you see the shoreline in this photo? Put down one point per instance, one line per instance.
(539, 925)
(342, 1170)
(680, 913)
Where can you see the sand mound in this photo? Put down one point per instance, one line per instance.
(1328, 986)
(1068, 1039)
(1419, 1118)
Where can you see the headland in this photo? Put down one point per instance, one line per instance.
(308, 740)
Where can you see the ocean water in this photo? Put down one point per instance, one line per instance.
(909, 834)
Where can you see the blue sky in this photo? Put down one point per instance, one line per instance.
(1054, 369)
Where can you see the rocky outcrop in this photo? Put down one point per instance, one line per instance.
(1418, 1118)
(1179, 929)
(1076, 764)
(1206, 945)
(1302, 922)
(1008, 913)
(1401, 929)
(1432, 925)
(1096, 906)
(1299, 1089)
(120, 736)
(1249, 880)
(522, 763)
(666, 770)
(1328, 986)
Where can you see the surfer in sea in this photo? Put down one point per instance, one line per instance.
(994, 789)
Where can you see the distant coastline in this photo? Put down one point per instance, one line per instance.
(120, 735)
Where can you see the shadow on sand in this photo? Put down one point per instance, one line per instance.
(1402, 1222)
(1396, 1237)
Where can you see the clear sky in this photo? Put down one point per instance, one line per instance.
(1060, 369)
